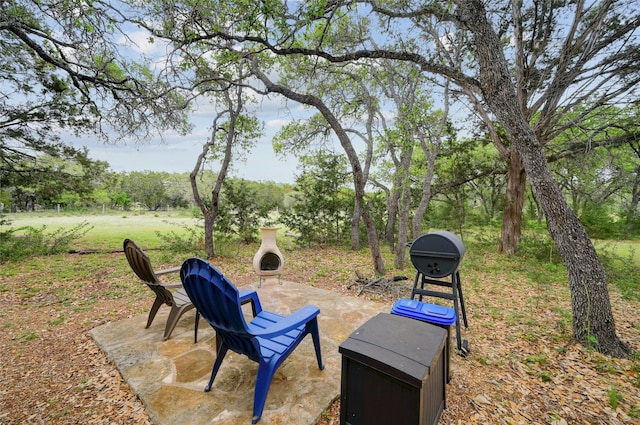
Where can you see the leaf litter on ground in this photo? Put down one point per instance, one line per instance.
(523, 366)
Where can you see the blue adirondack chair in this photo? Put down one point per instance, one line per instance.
(268, 339)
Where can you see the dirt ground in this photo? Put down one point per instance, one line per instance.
(523, 367)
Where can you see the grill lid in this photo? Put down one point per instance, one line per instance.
(437, 254)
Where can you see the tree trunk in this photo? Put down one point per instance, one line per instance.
(593, 322)
(403, 226)
(392, 215)
(403, 186)
(632, 211)
(355, 225)
(512, 216)
(425, 199)
(430, 151)
(210, 214)
(209, 245)
(356, 168)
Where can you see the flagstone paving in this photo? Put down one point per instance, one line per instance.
(169, 376)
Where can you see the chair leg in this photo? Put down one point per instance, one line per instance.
(195, 334)
(218, 341)
(174, 316)
(312, 327)
(154, 309)
(222, 351)
(263, 382)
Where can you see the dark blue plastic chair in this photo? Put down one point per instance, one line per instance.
(268, 339)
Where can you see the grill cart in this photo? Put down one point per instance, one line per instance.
(436, 256)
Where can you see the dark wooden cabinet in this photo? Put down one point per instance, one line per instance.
(393, 372)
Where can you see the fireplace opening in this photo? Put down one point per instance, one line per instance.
(270, 262)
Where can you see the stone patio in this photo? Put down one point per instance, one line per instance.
(169, 376)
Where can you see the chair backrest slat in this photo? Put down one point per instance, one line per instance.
(141, 266)
(139, 262)
(218, 302)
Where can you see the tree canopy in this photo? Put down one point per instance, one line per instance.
(68, 68)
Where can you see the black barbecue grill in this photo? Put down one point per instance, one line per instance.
(435, 256)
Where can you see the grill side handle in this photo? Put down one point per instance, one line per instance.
(434, 254)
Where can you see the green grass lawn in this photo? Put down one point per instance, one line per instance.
(537, 257)
(109, 230)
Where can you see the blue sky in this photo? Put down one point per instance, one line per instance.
(178, 153)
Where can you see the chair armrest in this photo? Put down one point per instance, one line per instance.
(172, 285)
(167, 271)
(295, 320)
(250, 295)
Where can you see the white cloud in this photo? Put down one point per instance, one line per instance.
(448, 41)
(277, 123)
(140, 41)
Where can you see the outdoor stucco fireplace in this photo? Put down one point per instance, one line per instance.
(268, 260)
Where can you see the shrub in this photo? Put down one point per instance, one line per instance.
(22, 242)
(189, 242)
(539, 246)
(599, 223)
(624, 272)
